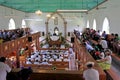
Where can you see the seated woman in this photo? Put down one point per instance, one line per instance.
(105, 63)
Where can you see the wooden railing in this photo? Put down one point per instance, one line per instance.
(11, 48)
(58, 65)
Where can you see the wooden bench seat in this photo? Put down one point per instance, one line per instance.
(58, 65)
(111, 75)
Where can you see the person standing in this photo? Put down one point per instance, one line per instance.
(90, 73)
(4, 68)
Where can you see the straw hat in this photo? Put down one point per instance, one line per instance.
(90, 63)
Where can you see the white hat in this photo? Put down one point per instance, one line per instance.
(88, 63)
(108, 50)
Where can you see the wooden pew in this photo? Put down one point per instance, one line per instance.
(39, 74)
(51, 65)
(111, 75)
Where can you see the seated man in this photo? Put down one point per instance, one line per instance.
(45, 63)
(29, 61)
(36, 62)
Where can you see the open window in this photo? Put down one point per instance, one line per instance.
(106, 25)
(94, 24)
(23, 24)
(88, 24)
(11, 24)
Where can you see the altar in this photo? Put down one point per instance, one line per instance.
(54, 38)
(54, 41)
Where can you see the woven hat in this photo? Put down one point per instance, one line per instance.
(89, 63)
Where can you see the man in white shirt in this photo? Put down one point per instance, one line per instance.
(90, 73)
(103, 43)
(4, 68)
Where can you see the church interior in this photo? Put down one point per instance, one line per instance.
(55, 40)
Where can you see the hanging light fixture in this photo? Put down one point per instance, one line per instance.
(48, 15)
(38, 12)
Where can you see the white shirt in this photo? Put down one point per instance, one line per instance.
(104, 44)
(102, 55)
(4, 68)
(28, 62)
(91, 74)
(36, 63)
(89, 47)
(44, 63)
(109, 59)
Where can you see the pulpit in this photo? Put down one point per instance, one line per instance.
(54, 41)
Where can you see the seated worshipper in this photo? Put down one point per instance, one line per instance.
(45, 63)
(58, 59)
(97, 53)
(105, 63)
(88, 47)
(51, 59)
(36, 62)
(38, 58)
(29, 61)
(4, 68)
(101, 55)
(103, 43)
(90, 73)
(66, 59)
(1, 40)
(33, 56)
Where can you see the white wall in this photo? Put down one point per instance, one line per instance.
(73, 19)
(112, 12)
(7, 13)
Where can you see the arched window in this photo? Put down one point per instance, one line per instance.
(11, 24)
(23, 24)
(106, 26)
(94, 24)
(88, 24)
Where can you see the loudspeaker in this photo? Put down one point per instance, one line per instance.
(68, 33)
(29, 39)
(43, 33)
(72, 39)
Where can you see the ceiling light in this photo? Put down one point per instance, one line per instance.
(38, 12)
(83, 10)
(48, 15)
(53, 17)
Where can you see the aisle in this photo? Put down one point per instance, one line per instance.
(116, 70)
